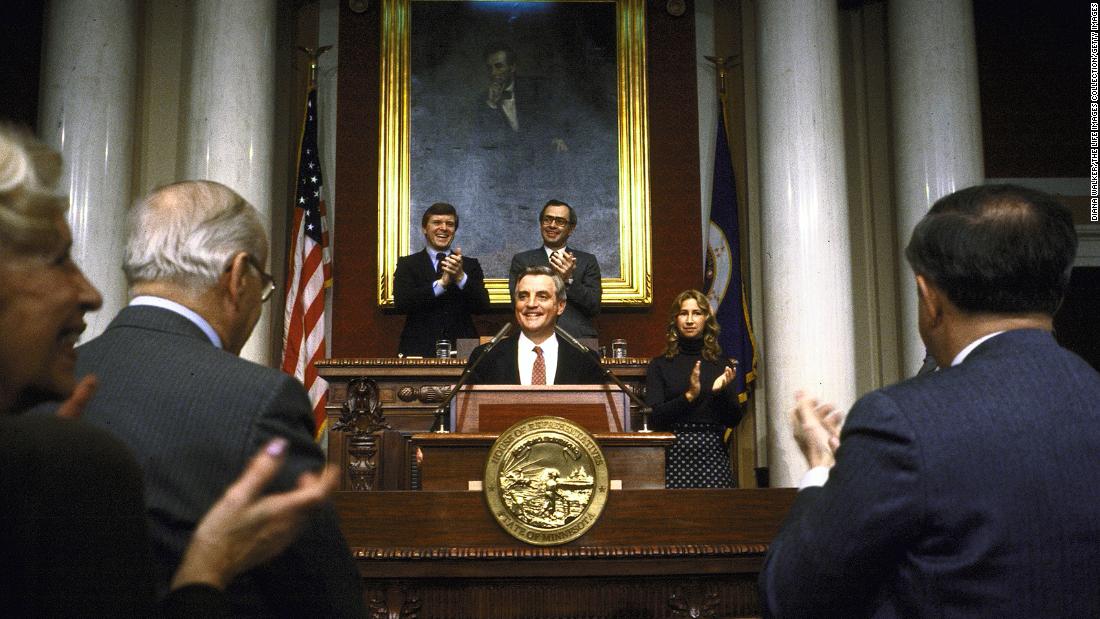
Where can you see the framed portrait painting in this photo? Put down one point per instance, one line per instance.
(498, 107)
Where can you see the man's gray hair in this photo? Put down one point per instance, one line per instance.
(559, 283)
(187, 233)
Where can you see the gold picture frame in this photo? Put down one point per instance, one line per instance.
(632, 285)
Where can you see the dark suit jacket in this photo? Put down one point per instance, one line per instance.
(582, 296)
(501, 367)
(74, 540)
(194, 415)
(432, 318)
(968, 492)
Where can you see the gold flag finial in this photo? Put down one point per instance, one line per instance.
(722, 63)
(314, 53)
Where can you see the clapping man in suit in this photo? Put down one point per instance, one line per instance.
(579, 270)
(536, 356)
(174, 390)
(438, 288)
(969, 491)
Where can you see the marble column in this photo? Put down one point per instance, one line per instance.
(807, 274)
(937, 140)
(229, 112)
(87, 113)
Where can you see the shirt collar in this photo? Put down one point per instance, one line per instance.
(182, 310)
(551, 343)
(550, 251)
(964, 353)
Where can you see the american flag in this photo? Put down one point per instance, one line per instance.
(310, 273)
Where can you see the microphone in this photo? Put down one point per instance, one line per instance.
(441, 411)
(574, 342)
(505, 330)
(595, 357)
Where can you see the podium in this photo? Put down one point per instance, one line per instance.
(495, 408)
(456, 461)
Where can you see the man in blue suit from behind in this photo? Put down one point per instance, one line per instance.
(971, 491)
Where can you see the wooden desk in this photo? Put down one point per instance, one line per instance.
(652, 554)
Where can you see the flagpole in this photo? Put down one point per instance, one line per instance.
(309, 263)
(723, 64)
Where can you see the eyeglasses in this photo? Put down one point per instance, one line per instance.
(269, 281)
(558, 221)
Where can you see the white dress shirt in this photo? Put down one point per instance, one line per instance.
(526, 360)
(509, 107)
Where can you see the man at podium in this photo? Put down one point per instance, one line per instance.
(536, 356)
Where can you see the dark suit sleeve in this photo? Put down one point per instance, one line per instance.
(514, 270)
(410, 293)
(593, 368)
(840, 540)
(325, 579)
(196, 600)
(477, 296)
(476, 377)
(585, 291)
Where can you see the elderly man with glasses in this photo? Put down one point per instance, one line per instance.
(579, 270)
(174, 390)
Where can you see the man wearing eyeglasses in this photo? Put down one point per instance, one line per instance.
(173, 388)
(579, 270)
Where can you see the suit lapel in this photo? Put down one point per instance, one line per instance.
(426, 263)
(563, 375)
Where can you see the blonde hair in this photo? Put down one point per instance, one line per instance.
(711, 350)
(28, 204)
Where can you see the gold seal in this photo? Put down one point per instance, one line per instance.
(546, 481)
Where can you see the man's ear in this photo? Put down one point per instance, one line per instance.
(930, 298)
(561, 306)
(235, 279)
